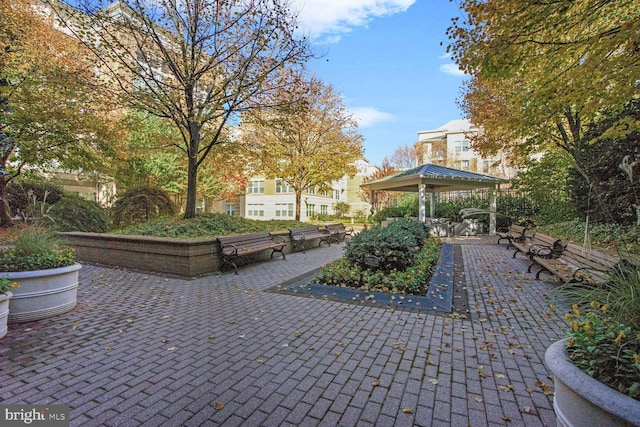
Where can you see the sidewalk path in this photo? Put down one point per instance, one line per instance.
(141, 349)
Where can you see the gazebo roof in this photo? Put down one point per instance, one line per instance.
(436, 178)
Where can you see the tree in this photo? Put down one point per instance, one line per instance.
(545, 181)
(542, 71)
(405, 157)
(197, 63)
(612, 162)
(308, 140)
(383, 199)
(52, 113)
(152, 160)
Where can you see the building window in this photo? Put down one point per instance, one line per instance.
(283, 187)
(256, 186)
(311, 210)
(462, 146)
(311, 190)
(324, 193)
(465, 165)
(230, 209)
(255, 210)
(336, 194)
(486, 166)
(284, 210)
(324, 209)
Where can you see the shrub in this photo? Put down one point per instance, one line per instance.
(395, 247)
(418, 230)
(206, 224)
(74, 213)
(390, 212)
(413, 280)
(141, 204)
(608, 236)
(24, 196)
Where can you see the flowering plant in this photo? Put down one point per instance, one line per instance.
(6, 285)
(605, 348)
(37, 248)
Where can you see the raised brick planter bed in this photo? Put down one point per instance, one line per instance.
(178, 257)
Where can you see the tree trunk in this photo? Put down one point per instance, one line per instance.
(192, 174)
(192, 171)
(5, 211)
(298, 203)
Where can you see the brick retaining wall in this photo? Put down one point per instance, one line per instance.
(179, 257)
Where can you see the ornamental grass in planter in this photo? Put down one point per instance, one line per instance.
(36, 248)
(46, 272)
(603, 343)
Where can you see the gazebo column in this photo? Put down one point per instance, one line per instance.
(432, 207)
(422, 203)
(372, 197)
(492, 211)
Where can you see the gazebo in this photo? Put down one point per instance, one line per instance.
(432, 179)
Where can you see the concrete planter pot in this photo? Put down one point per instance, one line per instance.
(4, 313)
(43, 293)
(582, 401)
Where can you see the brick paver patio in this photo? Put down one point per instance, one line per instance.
(141, 349)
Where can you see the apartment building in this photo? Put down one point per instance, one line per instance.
(267, 199)
(450, 146)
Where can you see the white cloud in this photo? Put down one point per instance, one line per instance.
(451, 68)
(368, 116)
(323, 18)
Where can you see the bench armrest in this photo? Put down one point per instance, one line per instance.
(229, 250)
(581, 275)
(542, 251)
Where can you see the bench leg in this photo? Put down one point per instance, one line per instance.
(281, 251)
(542, 270)
(229, 261)
(326, 240)
(298, 244)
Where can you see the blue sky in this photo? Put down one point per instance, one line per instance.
(385, 58)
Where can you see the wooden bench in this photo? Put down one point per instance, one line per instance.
(338, 232)
(299, 236)
(233, 247)
(576, 265)
(515, 233)
(543, 244)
